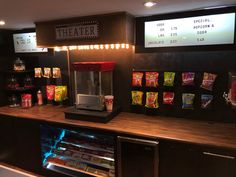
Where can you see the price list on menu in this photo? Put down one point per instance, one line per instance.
(192, 31)
(26, 42)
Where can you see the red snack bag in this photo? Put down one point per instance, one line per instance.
(50, 91)
(208, 81)
(151, 79)
(168, 98)
(188, 78)
(137, 79)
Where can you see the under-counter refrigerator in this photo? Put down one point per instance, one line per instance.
(77, 152)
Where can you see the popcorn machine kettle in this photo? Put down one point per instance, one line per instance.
(92, 81)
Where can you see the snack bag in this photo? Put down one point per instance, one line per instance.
(169, 78)
(187, 99)
(137, 79)
(137, 97)
(37, 72)
(56, 72)
(168, 98)
(47, 72)
(208, 81)
(152, 100)
(206, 101)
(64, 93)
(50, 92)
(151, 79)
(58, 94)
(188, 78)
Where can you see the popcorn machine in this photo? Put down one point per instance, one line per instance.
(92, 81)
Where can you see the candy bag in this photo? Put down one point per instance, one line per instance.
(188, 78)
(208, 81)
(47, 72)
(152, 100)
(206, 101)
(37, 72)
(64, 92)
(137, 97)
(187, 99)
(137, 79)
(58, 94)
(50, 92)
(168, 98)
(56, 72)
(169, 78)
(151, 79)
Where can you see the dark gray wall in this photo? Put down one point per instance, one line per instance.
(219, 62)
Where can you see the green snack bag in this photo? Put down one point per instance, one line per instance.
(137, 98)
(169, 78)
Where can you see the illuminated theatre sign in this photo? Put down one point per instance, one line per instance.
(191, 31)
(83, 30)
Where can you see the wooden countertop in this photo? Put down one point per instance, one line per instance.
(191, 131)
(9, 170)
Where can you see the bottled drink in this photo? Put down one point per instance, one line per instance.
(40, 97)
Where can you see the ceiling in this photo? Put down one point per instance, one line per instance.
(19, 14)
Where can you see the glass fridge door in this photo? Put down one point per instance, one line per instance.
(77, 153)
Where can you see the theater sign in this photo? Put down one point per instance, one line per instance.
(82, 30)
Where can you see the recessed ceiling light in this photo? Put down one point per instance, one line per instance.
(149, 4)
(2, 22)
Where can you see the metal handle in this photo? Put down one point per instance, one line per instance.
(219, 155)
(138, 141)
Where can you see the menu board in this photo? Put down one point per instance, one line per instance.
(191, 31)
(26, 43)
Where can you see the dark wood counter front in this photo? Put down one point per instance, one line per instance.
(192, 131)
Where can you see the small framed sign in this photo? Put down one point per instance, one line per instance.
(26, 43)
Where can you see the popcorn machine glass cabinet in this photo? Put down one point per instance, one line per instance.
(92, 81)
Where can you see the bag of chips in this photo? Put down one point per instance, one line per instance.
(50, 92)
(137, 79)
(206, 101)
(208, 81)
(47, 72)
(152, 100)
(56, 72)
(137, 97)
(38, 72)
(60, 93)
(151, 79)
(168, 98)
(188, 78)
(187, 100)
(64, 93)
(169, 78)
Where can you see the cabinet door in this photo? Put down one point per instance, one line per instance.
(7, 136)
(27, 145)
(137, 157)
(217, 163)
(178, 159)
